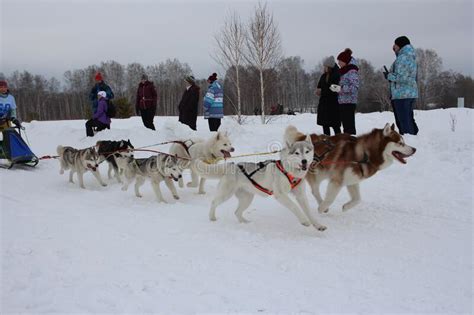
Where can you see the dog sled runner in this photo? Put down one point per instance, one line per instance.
(15, 151)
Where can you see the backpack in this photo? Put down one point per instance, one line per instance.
(111, 109)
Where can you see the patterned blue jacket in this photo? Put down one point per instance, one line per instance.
(213, 101)
(402, 74)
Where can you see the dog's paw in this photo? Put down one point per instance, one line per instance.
(211, 218)
(244, 220)
(162, 201)
(306, 223)
(320, 228)
(201, 193)
(124, 188)
(139, 196)
(104, 185)
(323, 210)
(83, 187)
(176, 197)
(191, 185)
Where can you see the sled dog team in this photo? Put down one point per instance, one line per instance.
(343, 159)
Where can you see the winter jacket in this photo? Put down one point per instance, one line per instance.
(101, 86)
(402, 76)
(147, 97)
(188, 107)
(213, 101)
(328, 108)
(101, 113)
(7, 106)
(349, 83)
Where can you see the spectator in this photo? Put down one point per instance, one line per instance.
(99, 120)
(213, 103)
(347, 90)
(403, 85)
(328, 107)
(146, 102)
(99, 86)
(188, 106)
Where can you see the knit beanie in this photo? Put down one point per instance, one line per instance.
(213, 77)
(329, 62)
(3, 84)
(98, 76)
(402, 41)
(345, 56)
(190, 79)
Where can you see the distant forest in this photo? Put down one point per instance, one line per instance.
(287, 84)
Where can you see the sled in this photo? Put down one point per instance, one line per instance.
(15, 151)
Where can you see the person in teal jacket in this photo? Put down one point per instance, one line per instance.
(403, 85)
(213, 103)
(7, 107)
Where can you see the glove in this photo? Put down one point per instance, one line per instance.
(335, 88)
(385, 74)
(16, 122)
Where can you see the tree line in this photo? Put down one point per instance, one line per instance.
(255, 75)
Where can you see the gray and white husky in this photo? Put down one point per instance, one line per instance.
(157, 168)
(79, 161)
(277, 178)
(216, 148)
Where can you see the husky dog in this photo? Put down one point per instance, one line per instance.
(218, 147)
(346, 161)
(79, 161)
(157, 168)
(109, 150)
(277, 178)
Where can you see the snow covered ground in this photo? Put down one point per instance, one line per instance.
(407, 248)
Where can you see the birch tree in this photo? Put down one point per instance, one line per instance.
(263, 46)
(229, 53)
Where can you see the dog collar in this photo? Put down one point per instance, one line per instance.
(294, 181)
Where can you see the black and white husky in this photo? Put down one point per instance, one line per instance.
(109, 150)
(157, 168)
(277, 178)
(79, 161)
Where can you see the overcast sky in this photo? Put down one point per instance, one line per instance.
(50, 37)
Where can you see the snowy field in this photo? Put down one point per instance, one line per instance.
(407, 248)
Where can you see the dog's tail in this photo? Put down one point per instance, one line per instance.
(213, 171)
(292, 135)
(60, 150)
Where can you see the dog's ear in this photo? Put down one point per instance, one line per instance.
(393, 126)
(387, 130)
(218, 136)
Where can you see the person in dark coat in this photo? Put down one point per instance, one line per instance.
(100, 85)
(146, 102)
(328, 108)
(188, 106)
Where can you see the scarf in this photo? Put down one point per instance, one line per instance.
(348, 68)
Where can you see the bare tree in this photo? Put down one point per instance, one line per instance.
(429, 66)
(264, 46)
(230, 45)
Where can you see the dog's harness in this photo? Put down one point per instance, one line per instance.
(330, 146)
(185, 146)
(319, 159)
(261, 165)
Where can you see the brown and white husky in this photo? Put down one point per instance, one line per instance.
(347, 160)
